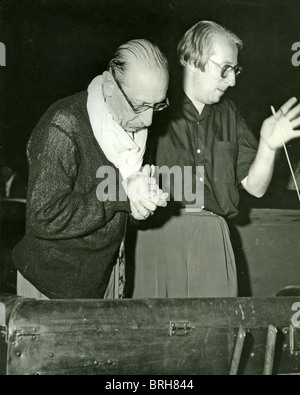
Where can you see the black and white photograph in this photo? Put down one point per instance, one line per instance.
(149, 190)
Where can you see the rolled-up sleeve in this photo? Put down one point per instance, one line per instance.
(247, 148)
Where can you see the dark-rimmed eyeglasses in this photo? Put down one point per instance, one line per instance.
(139, 109)
(228, 69)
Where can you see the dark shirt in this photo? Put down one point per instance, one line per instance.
(218, 139)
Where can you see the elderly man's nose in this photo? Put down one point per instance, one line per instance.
(147, 117)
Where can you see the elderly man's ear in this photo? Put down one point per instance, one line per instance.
(108, 84)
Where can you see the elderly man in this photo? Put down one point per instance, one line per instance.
(189, 254)
(74, 226)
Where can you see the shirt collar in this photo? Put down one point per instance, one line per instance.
(189, 110)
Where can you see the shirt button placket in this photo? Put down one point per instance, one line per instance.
(198, 142)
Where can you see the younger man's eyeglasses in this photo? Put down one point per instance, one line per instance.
(228, 69)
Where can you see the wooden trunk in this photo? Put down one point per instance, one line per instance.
(150, 337)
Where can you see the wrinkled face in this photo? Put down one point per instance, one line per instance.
(208, 86)
(142, 86)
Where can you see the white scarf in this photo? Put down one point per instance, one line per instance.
(118, 146)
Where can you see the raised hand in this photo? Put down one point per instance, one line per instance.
(283, 125)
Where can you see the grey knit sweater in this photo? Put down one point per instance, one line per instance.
(71, 237)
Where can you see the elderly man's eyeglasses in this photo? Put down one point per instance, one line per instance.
(228, 69)
(139, 109)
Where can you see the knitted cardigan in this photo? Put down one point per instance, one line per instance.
(72, 237)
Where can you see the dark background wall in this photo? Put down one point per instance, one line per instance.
(55, 47)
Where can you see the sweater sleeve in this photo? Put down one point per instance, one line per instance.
(56, 209)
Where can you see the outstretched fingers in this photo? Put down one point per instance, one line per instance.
(288, 105)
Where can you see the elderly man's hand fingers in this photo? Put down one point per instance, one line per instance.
(146, 171)
(157, 194)
(144, 206)
(135, 213)
(152, 170)
(139, 211)
(161, 199)
(162, 195)
(161, 202)
(148, 204)
(152, 181)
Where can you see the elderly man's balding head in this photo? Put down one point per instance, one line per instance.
(136, 84)
(141, 52)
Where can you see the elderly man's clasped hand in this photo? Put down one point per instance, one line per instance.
(144, 193)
